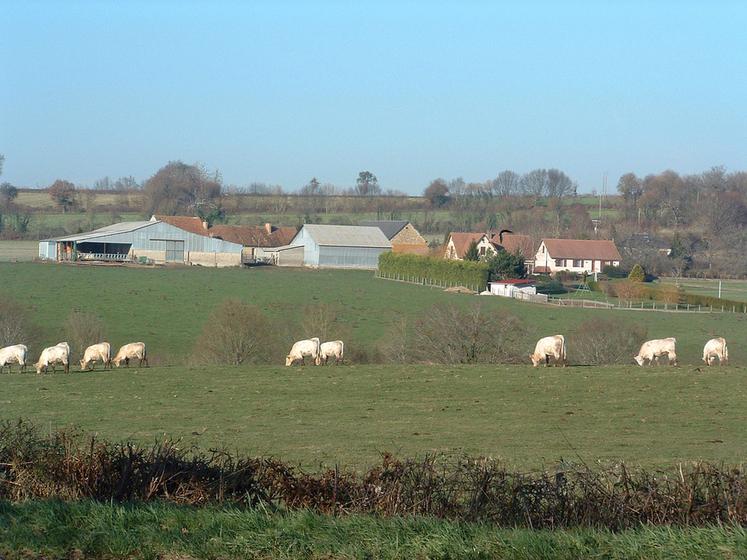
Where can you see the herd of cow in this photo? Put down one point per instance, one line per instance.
(552, 348)
(60, 354)
(548, 349)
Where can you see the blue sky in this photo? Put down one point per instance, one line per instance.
(282, 91)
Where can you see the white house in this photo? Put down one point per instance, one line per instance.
(575, 255)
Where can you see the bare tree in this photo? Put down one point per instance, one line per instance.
(82, 329)
(506, 184)
(534, 183)
(15, 327)
(448, 334)
(367, 184)
(178, 187)
(236, 333)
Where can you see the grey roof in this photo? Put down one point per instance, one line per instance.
(121, 227)
(389, 227)
(347, 236)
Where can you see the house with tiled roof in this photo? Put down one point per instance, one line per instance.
(256, 240)
(402, 234)
(488, 244)
(575, 255)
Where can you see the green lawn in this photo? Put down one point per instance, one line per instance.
(349, 414)
(163, 531)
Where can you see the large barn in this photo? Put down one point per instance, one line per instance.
(327, 246)
(147, 241)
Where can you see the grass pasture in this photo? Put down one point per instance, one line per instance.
(90, 530)
(168, 307)
(735, 290)
(18, 251)
(350, 414)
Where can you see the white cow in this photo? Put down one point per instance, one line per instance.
(301, 349)
(333, 349)
(13, 355)
(716, 348)
(101, 352)
(549, 347)
(654, 349)
(54, 355)
(132, 351)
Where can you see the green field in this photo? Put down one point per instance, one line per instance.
(350, 414)
(168, 307)
(162, 531)
(735, 290)
(18, 251)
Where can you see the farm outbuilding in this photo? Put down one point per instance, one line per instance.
(328, 246)
(151, 240)
(402, 234)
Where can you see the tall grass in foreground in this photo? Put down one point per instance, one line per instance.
(69, 467)
(52, 529)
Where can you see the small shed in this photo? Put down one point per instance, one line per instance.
(331, 246)
(509, 288)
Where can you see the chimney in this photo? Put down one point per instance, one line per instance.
(268, 228)
(204, 225)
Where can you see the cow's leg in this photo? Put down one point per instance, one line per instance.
(672, 359)
(67, 367)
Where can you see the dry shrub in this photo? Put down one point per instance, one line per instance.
(236, 333)
(67, 466)
(629, 291)
(323, 321)
(82, 329)
(15, 327)
(448, 334)
(606, 341)
(668, 294)
(396, 347)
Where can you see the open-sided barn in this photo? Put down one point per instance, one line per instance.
(154, 240)
(328, 246)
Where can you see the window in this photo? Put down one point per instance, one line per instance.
(559, 262)
(482, 251)
(578, 263)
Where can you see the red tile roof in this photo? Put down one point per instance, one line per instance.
(191, 224)
(513, 242)
(462, 241)
(254, 236)
(596, 249)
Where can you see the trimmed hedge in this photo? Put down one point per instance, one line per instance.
(433, 270)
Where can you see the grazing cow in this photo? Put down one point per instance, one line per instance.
(54, 355)
(716, 348)
(654, 349)
(132, 351)
(101, 352)
(549, 347)
(13, 355)
(329, 350)
(301, 349)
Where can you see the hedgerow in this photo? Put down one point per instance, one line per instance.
(434, 270)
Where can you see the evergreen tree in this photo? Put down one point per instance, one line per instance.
(637, 274)
(472, 253)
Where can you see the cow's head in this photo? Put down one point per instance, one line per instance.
(638, 360)
(535, 361)
(82, 364)
(288, 360)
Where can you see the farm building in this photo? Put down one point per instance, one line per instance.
(402, 234)
(575, 255)
(328, 246)
(154, 240)
(508, 288)
(259, 242)
(489, 243)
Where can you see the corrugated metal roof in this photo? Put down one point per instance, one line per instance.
(121, 227)
(389, 227)
(347, 236)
